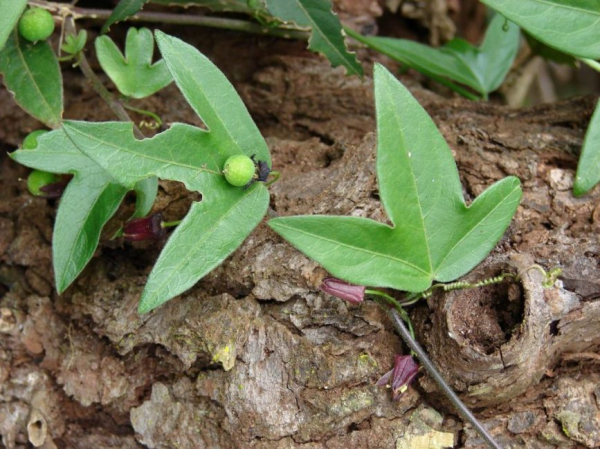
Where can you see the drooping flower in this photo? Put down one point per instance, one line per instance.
(402, 374)
(148, 228)
(354, 294)
(56, 189)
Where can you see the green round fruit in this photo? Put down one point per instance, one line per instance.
(239, 170)
(30, 142)
(38, 179)
(36, 24)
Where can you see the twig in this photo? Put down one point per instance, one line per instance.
(115, 105)
(435, 374)
(177, 19)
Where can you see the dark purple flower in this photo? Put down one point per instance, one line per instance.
(354, 294)
(149, 228)
(55, 190)
(402, 374)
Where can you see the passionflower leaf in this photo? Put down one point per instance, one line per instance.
(215, 226)
(435, 235)
(133, 73)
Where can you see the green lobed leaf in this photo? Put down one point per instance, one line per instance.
(212, 229)
(216, 226)
(571, 26)
(326, 37)
(31, 72)
(588, 168)
(89, 201)
(213, 98)
(10, 12)
(435, 235)
(74, 44)
(492, 61)
(483, 69)
(122, 11)
(134, 74)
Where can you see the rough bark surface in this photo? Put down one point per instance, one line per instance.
(254, 355)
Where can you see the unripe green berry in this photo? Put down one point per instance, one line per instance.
(30, 142)
(36, 24)
(239, 170)
(38, 179)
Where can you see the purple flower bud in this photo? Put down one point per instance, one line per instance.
(56, 189)
(149, 228)
(402, 374)
(354, 294)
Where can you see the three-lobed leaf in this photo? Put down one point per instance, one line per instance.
(435, 235)
(217, 225)
(483, 69)
(122, 11)
(326, 30)
(571, 26)
(9, 16)
(31, 72)
(74, 44)
(133, 73)
(588, 168)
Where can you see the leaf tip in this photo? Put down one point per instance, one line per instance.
(61, 284)
(149, 302)
(159, 35)
(579, 190)
(144, 308)
(275, 223)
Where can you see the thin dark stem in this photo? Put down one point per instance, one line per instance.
(178, 19)
(435, 374)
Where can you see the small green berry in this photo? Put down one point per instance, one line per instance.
(239, 170)
(38, 179)
(36, 24)
(30, 142)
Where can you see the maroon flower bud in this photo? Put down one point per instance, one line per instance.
(402, 374)
(149, 228)
(55, 189)
(354, 294)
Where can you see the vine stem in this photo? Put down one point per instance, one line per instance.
(437, 377)
(150, 114)
(177, 19)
